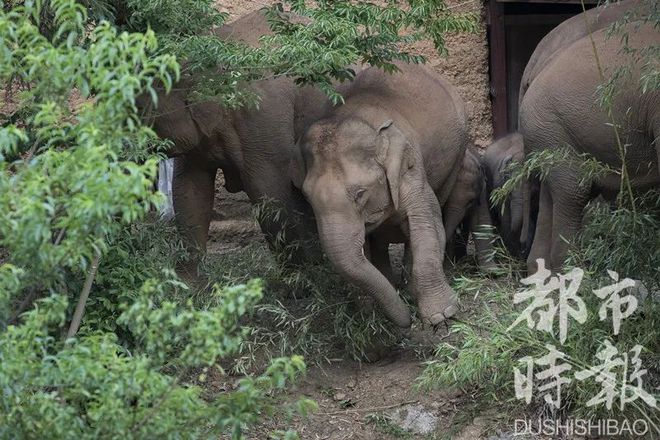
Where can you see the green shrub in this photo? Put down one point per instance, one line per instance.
(71, 201)
(487, 349)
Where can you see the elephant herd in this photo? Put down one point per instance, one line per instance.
(395, 164)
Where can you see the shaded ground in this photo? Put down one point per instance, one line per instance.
(360, 400)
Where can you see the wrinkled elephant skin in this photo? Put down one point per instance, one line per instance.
(382, 165)
(556, 113)
(250, 145)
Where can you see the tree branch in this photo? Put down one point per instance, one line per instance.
(82, 300)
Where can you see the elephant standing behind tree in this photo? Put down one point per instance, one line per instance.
(559, 109)
(382, 165)
(252, 147)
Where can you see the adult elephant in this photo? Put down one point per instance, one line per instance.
(552, 45)
(252, 146)
(383, 164)
(559, 110)
(574, 29)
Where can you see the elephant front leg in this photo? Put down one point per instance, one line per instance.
(481, 227)
(193, 188)
(435, 298)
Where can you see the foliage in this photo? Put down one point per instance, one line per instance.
(619, 239)
(308, 311)
(539, 164)
(71, 192)
(484, 358)
(487, 349)
(93, 387)
(318, 49)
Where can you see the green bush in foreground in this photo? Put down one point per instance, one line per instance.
(72, 205)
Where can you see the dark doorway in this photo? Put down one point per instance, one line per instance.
(514, 30)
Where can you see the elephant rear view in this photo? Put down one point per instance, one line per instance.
(383, 164)
(560, 110)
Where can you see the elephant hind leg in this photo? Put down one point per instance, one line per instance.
(569, 203)
(561, 205)
(542, 244)
(193, 188)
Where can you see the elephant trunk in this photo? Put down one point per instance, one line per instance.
(343, 243)
(516, 207)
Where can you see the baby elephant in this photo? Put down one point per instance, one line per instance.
(507, 219)
(467, 208)
(382, 165)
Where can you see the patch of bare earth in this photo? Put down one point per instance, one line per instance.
(353, 396)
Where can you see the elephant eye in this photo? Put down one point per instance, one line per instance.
(359, 194)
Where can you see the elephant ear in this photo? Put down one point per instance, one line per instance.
(297, 167)
(206, 116)
(502, 170)
(391, 154)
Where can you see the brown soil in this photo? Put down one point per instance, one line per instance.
(357, 399)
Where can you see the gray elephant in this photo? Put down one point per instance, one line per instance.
(382, 165)
(574, 29)
(252, 146)
(507, 219)
(561, 37)
(559, 109)
(467, 208)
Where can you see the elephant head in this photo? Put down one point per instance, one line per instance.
(357, 176)
(509, 220)
(175, 116)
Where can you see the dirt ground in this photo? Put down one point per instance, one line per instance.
(357, 400)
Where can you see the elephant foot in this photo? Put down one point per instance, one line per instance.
(188, 273)
(489, 268)
(437, 310)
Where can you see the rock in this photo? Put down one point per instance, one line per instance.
(415, 418)
(339, 396)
